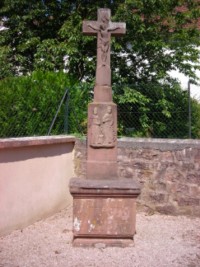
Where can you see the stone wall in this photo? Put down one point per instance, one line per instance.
(168, 170)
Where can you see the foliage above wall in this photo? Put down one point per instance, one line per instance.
(29, 104)
(161, 36)
(43, 38)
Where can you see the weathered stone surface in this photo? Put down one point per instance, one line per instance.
(167, 209)
(188, 201)
(194, 190)
(158, 197)
(193, 178)
(104, 212)
(104, 217)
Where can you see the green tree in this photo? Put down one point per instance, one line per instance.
(155, 110)
(160, 37)
(195, 123)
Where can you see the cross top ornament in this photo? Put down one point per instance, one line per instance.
(103, 28)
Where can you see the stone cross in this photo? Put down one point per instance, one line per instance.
(102, 112)
(104, 206)
(103, 28)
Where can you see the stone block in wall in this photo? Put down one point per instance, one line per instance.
(188, 166)
(193, 178)
(168, 209)
(188, 201)
(183, 188)
(157, 197)
(161, 186)
(194, 190)
(195, 211)
(196, 155)
(166, 156)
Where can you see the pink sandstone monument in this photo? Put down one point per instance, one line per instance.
(104, 206)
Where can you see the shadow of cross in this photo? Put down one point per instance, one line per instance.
(103, 28)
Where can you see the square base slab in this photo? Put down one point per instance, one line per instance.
(102, 243)
(104, 212)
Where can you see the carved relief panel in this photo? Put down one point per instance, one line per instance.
(102, 126)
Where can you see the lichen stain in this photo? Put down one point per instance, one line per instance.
(77, 224)
(91, 225)
(109, 200)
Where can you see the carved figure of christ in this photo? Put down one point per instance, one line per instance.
(103, 28)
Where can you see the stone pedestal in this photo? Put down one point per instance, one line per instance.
(104, 212)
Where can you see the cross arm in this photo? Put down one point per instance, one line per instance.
(90, 27)
(117, 28)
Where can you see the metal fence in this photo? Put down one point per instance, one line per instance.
(69, 116)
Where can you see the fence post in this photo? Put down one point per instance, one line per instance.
(189, 111)
(58, 110)
(66, 118)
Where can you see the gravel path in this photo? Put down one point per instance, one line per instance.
(160, 241)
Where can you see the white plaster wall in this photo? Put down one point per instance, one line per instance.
(33, 183)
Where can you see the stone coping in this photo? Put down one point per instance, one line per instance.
(158, 143)
(162, 144)
(35, 141)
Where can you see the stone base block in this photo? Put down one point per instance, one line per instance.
(104, 212)
(102, 242)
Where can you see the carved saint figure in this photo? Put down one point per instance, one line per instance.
(97, 136)
(104, 29)
(108, 130)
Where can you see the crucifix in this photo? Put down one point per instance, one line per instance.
(103, 28)
(103, 200)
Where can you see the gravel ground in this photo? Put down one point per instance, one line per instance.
(160, 241)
